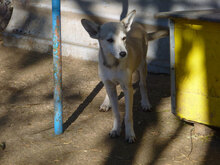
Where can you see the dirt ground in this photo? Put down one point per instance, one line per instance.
(26, 119)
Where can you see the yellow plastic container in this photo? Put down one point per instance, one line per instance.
(195, 66)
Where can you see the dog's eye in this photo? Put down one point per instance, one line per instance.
(124, 38)
(110, 40)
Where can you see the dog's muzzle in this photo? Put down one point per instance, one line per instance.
(122, 54)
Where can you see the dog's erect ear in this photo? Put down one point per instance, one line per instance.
(127, 21)
(91, 27)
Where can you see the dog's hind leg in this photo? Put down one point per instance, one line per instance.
(106, 105)
(112, 95)
(143, 87)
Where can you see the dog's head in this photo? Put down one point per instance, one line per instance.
(111, 35)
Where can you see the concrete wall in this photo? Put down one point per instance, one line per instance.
(30, 26)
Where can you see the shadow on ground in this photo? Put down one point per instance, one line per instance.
(26, 118)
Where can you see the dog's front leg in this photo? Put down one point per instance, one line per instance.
(129, 130)
(112, 94)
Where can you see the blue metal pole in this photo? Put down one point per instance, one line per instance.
(57, 64)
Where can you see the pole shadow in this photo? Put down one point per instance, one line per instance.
(83, 105)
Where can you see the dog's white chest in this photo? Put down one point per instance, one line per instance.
(115, 75)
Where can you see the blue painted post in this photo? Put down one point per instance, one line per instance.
(57, 64)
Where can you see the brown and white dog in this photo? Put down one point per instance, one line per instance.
(123, 49)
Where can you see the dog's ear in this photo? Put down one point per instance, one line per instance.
(127, 21)
(91, 27)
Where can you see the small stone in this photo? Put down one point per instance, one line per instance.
(3, 145)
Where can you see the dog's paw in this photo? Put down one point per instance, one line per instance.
(104, 108)
(131, 139)
(114, 133)
(146, 107)
(130, 136)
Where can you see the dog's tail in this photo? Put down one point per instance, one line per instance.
(158, 34)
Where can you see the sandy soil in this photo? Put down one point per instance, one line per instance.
(26, 119)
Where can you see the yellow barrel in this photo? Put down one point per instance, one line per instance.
(195, 66)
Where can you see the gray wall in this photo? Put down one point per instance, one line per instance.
(30, 26)
(158, 54)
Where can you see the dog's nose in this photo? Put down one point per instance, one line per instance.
(122, 54)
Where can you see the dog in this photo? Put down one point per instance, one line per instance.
(122, 52)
